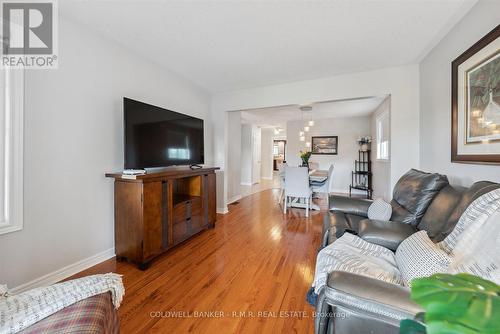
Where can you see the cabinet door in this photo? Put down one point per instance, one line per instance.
(198, 221)
(128, 220)
(153, 222)
(209, 199)
(181, 226)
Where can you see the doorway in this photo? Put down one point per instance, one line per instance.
(279, 154)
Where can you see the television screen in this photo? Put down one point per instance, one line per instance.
(157, 137)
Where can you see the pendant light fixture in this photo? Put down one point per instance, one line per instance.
(307, 125)
(308, 109)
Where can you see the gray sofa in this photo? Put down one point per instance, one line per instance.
(351, 303)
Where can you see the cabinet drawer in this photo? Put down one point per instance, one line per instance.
(198, 222)
(187, 219)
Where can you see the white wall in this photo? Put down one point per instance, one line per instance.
(266, 147)
(381, 169)
(402, 83)
(246, 154)
(234, 154)
(435, 99)
(256, 154)
(73, 135)
(347, 129)
(250, 154)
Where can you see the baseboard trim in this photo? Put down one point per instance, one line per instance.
(246, 184)
(267, 177)
(340, 191)
(222, 211)
(65, 272)
(234, 199)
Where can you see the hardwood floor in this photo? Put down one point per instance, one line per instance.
(252, 271)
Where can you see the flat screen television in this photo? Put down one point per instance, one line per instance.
(157, 137)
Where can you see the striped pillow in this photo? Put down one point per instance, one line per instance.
(417, 256)
(380, 210)
(478, 253)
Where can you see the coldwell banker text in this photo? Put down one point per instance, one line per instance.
(29, 31)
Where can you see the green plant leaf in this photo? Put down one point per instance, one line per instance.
(459, 303)
(443, 327)
(409, 326)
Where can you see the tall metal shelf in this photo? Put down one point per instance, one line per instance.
(361, 177)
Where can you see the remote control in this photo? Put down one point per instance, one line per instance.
(134, 171)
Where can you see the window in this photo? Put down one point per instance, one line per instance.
(11, 150)
(383, 135)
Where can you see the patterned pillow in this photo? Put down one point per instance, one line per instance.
(3, 290)
(380, 210)
(417, 256)
(477, 252)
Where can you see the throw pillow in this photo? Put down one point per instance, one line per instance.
(3, 290)
(479, 256)
(417, 256)
(352, 254)
(380, 210)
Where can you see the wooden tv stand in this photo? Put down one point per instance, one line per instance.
(158, 210)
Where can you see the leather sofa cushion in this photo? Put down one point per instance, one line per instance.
(353, 222)
(413, 194)
(384, 233)
(371, 289)
(469, 195)
(334, 226)
(355, 206)
(440, 210)
(336, 223)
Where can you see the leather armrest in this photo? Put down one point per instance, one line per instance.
(388, 234)
(334, 226)
(373, 291)
(355, 206)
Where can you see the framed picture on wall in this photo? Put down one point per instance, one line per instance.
(475, 91)
(325, 145)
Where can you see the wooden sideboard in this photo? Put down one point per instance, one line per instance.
(158, 210)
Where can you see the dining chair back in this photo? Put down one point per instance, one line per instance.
(330, 179)
(325, 186)
(313, 165)
(297, 186)
(281, 175)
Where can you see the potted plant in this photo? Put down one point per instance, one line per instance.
(364, 143)
(454, 304)
(305, 156)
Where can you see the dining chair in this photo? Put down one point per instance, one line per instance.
(297, 186)
(325, 186)
(281, 175)
(313, 165)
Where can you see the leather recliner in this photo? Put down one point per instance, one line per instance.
(421, 201)
(351, 303)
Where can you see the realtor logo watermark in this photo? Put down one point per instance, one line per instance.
(29, 34)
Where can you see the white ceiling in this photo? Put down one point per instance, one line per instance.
(278, 116)
(228, 45)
